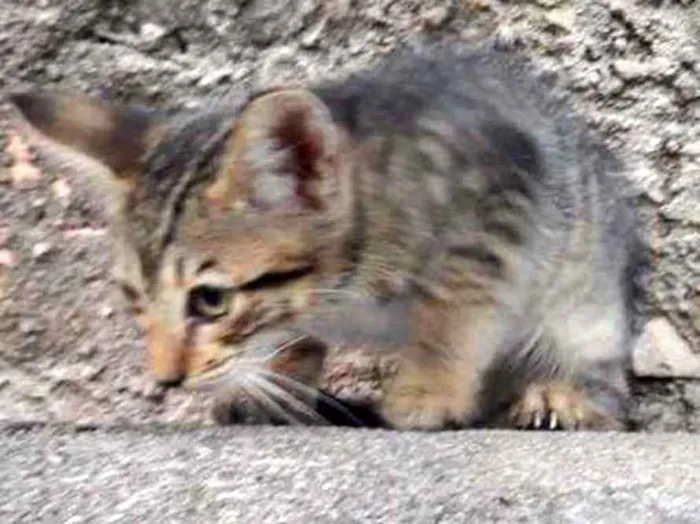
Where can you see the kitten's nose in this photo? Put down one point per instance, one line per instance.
(171, 382)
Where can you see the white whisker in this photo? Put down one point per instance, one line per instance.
(266, 358)
(339, 292)
(266, 401)
(311, 392)
(279, 393)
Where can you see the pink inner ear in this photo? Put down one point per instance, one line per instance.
(284, 151)
(304, 139)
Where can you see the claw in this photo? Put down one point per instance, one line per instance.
(560, 406)
(537, 420)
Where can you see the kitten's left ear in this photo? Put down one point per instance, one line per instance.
(286, 153)
(115, 135)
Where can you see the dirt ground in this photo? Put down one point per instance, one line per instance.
(68, 352)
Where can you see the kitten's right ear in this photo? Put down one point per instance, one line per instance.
(115, 135)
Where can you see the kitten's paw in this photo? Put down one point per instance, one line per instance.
(420, 410)
(429, 397)
(558, 405)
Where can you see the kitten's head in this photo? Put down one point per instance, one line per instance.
(226, 221)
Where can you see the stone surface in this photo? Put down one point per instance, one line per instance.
(340, 476)
(633, 68)
(661, 352)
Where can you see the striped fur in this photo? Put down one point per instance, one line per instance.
(445, 206)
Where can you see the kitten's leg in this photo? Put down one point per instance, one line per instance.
(587, 386)
(438, 383)
(430, 395)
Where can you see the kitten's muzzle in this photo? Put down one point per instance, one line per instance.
(172, 359)
(286, 353)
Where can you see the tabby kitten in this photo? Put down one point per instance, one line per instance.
(443, 205)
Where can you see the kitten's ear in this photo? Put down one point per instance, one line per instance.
(285, 153)
(115, 135)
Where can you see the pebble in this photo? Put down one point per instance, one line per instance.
(620, 44)
(152, 32)
(688, 87)
(629, 70)
(562, 19)
(507, 39)
(61, 190)
(146, 388)
(671, 146)
(692, 149)
(7, 258)
(41, 250)
(152, 391)
(25, 175)
(35, 395)
(661, 352)
(313, 37)
(87, 351)
(30, 326)
(75, 373)
(106, 311)
(436, 17)
(214, 78)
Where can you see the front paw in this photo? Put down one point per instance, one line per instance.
(425, 397)
(418, 410)
(558, 405)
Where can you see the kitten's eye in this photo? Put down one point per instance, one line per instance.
(208, 302)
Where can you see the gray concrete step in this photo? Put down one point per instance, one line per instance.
(289, 475)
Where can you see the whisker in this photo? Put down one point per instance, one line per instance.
(295, 403)
(289, 343)
(296, 385)
(228, 373)
(266, 358)
(339, 292)
(313, 393)
(280, 393)
(282, 348)
(266, 401)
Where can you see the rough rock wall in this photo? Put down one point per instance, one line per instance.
(66, 349)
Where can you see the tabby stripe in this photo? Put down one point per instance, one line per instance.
(358, 233)
(506, 230)
(481, 255)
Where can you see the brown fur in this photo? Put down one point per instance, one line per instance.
(443, 206)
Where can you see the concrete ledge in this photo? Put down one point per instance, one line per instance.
(270, 475)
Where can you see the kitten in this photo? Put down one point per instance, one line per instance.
(445, 206)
